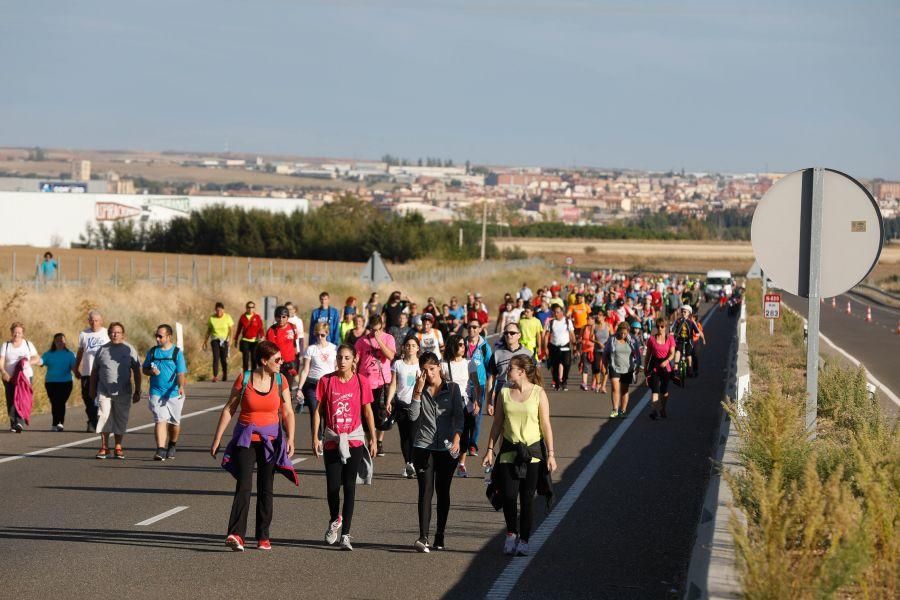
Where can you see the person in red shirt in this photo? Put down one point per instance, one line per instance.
(477, 312)
(345, 399)
(284, 335)
(248, 334)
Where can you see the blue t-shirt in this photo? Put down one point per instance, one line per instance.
(59, 365)
(459, 312)
(165, 385)
(48, 268)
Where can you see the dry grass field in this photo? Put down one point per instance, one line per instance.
(687, 256)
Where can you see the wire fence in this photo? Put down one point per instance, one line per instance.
(107, 268)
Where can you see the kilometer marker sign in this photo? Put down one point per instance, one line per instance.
(772, 306)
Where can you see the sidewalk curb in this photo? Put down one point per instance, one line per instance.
(713, 569)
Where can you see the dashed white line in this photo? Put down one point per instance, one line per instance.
(161, 516)
(299, 460)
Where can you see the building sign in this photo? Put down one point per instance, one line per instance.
(63, 187)
(180, 203)
(113, 211)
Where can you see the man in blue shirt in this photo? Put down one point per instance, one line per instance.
(458, 312)
(166, 367)
(326, 314)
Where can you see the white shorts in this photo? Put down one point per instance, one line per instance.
(112, 413)
(166, 410)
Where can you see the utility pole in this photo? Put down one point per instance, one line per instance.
(483, 230)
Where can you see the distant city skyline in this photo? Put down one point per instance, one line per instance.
(705, 86)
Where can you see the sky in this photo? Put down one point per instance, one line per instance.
(702, 85)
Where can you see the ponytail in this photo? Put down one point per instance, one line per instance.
(526, 363)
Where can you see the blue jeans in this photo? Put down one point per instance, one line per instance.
(473, 438)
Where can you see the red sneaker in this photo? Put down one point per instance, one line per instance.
(235, 542)
(264, 545)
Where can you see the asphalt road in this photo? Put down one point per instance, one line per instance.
(875, 344)
(69, 523)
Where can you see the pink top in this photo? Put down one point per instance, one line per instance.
(659, 352)
(372, 361)
(343, 404)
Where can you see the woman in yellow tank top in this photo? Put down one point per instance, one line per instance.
(521, 422)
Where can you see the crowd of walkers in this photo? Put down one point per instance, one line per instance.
(369, 368)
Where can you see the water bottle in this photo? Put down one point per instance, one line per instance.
(448, 445)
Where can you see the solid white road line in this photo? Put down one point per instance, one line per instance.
(872, 379)
(510, 576)
(95, 437)
(299, 460)
(161, 516)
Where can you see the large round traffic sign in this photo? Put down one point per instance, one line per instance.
(852, 233)
(570, 260)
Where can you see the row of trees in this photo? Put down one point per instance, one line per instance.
(347, 229)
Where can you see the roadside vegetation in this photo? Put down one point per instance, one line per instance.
(822, 514)
(142, 306)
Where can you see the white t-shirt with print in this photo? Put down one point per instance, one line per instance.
(11, 355)
(431, 342)
(406, 379)
(321, 360)
(89, 343)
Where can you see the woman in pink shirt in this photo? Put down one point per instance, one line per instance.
(658, 366)
(345, 399)
(376, 349)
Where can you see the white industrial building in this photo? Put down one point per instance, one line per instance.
(59, 219)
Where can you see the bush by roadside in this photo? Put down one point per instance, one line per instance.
(822, 513)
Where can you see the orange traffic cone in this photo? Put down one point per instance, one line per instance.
(868, 314)
(848, 308)
(833, 303)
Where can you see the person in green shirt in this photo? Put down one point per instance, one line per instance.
(220, 329)
(347, 324)
(532, 330)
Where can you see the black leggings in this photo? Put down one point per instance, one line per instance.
(434, 471)
(523, 490)
(405, 427)
(248, 349)
(265, 473)
(219, 355)
(560, 356)
(58, 392)
(339, 474)
(90, 409)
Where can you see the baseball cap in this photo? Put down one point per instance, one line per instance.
(428, 317)
(687, 307)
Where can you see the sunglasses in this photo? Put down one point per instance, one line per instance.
(473, 326)
(277, 359)
(283, 316)
(321, 335)
(251, 306)
(160, 336)
(510, 333)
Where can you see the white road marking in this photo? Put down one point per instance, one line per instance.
(872, 379)
(94, 438)
(299, 460)
(161, 516)
(510, 576)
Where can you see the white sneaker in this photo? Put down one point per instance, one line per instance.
(421, 545)
(410, 471)
(333, 531)
(509, 547)
(345, 543)
(522, 548)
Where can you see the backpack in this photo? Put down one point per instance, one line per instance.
(249, 374)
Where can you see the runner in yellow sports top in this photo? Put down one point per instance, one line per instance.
(532, 330)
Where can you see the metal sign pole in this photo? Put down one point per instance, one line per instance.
(815, 264)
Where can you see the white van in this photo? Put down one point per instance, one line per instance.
(716, 281)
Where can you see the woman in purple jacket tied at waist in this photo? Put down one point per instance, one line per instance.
(264, 398)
